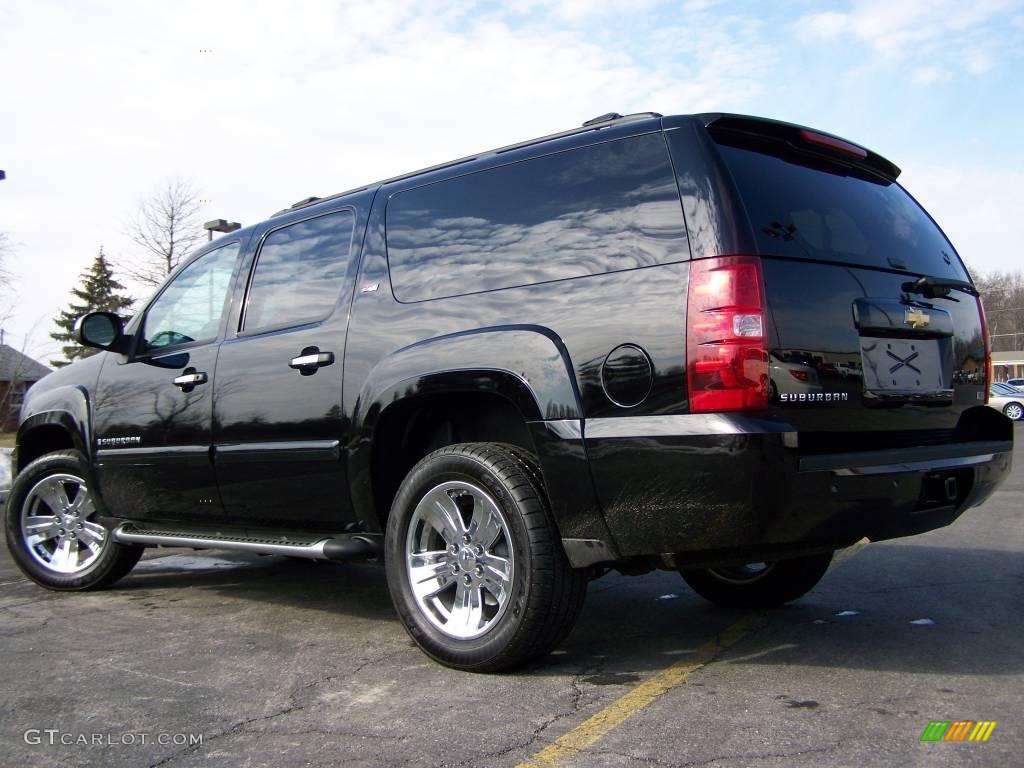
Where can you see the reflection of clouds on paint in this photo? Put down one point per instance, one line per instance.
(299, 271)
(604, 208)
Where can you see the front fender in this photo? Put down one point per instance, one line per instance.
(65, 407)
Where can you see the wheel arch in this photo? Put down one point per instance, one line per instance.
(46, 431)
(513, 385)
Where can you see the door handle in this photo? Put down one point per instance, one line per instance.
(190, 379)
(310, 360)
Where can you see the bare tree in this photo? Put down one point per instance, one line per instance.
(6, 279)
(166, 229)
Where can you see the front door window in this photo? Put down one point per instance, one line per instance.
(190, 308)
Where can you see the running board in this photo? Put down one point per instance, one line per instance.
(344, 547)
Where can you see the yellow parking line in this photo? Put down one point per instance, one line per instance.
(619, 711)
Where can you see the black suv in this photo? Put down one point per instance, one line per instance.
(716, 344)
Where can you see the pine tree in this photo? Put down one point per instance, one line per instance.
(98, 292)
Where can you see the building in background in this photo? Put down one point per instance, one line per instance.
(18, 372)
(1007, 365)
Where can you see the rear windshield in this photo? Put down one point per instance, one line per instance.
(836, 214)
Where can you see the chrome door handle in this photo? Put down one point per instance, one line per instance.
(190, 379)
(310, 360)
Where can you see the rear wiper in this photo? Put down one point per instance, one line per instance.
(938, 287)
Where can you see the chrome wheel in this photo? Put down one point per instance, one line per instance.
(742, 574)
(1014, 411)
(56, 528)
(459, 559)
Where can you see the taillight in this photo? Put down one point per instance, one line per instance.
(798, 375)
(726, 361)
(988, 351)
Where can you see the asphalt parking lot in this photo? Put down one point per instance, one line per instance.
(275, 662)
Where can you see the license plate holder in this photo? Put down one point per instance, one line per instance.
(901, 365)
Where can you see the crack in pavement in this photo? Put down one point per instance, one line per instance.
(577, 692)
(291, 706)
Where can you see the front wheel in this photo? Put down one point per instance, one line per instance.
(1013, 411)
(759, 585)
(52, 529)
(475, 567)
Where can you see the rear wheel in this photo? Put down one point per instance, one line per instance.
(759, 585)
(52, 529)
(475, 566)
(1013, 411)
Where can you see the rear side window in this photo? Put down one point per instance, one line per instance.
(299, 272)
(587, 211)
(832, 214)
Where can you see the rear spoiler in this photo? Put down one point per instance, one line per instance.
(799, 139)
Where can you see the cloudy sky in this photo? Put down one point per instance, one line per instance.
(101, 102)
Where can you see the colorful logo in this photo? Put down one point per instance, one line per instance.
(958, 730)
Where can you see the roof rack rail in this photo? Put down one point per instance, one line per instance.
(597, 123)
(612, 117)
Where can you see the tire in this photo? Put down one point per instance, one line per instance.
(1013, 411)
(771, 585)
(493, 588)
(52, 531)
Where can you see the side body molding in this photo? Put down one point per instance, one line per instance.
(527, 365)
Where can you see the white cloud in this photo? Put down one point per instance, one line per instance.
(929, 75)
(109, 101)
(975, 206)
(827, 24)
(700, 6)
(948, 34)
(978, 62)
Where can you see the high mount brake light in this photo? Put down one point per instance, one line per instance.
(726, 360)
(833, 143)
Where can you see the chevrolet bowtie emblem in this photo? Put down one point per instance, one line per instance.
(915, 318)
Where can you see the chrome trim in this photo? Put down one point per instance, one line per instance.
(278, 450)
(916, 466)
(566, 429)
(916, 459)
(165, 453)
(311, 551)
(690, 424)
(313, 360)
(190, 379)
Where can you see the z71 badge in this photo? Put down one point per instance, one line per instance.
(814, 397)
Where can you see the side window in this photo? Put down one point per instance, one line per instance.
(299, 272)
(587, 211)
(190, 308)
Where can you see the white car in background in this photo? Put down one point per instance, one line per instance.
(788, 376)
(1007, 399)
(5, 474)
